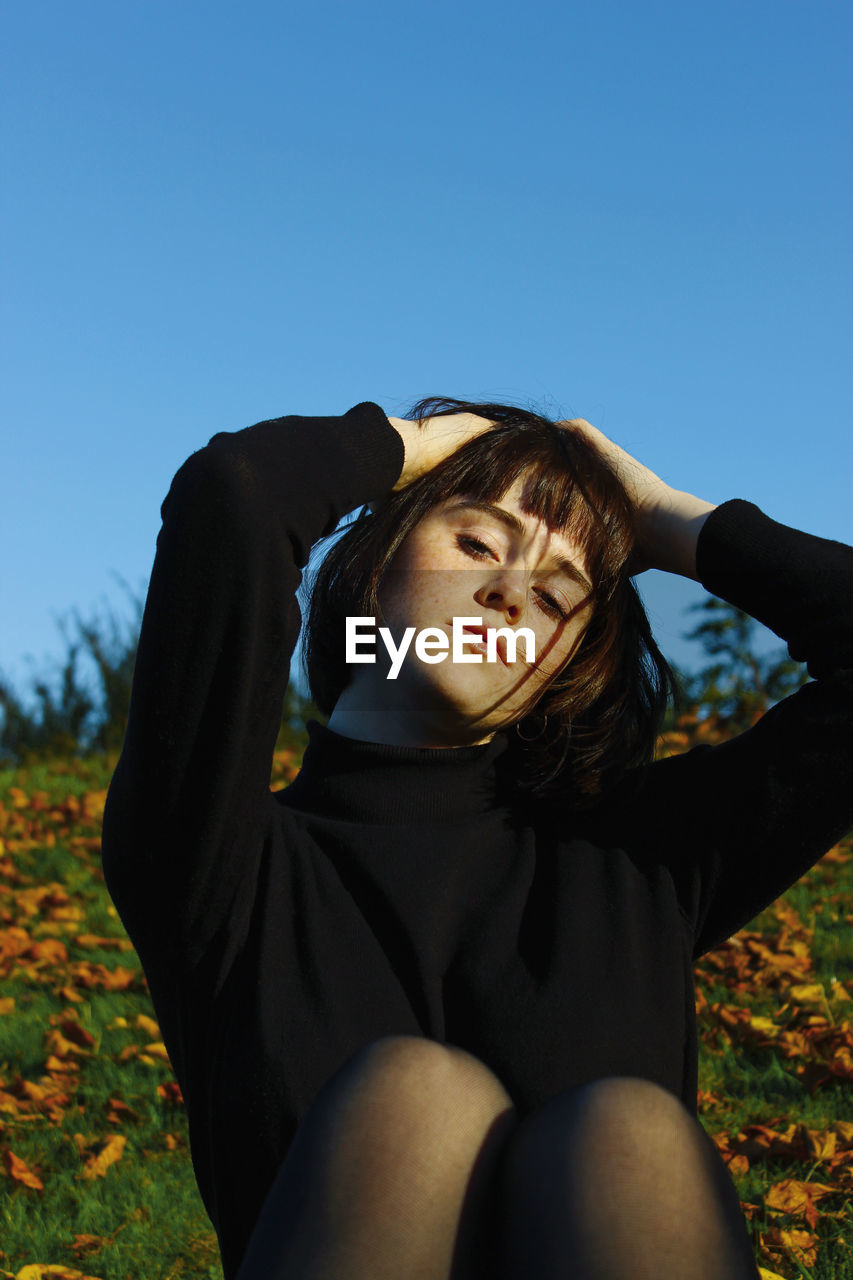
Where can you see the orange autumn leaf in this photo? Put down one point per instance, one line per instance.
(91, 844)
(31, 1091)
(799, 1198)
(49, 950)
(8, 1103)
(820, 1144)
(802, 1245)
(64, 1065)
(85, 1243)
(21, 1172)
(41, 1271)
(13, 942)
(61, 1047)
(40, 898)
(844, 1132)
(807, 993)
(94, 802)
(113, 1149)
(93, 941)
(70, 915)
(171, 1092)
(47, 1098)
(148, 1025)
(156, 1050)
(88, 975)
(73, 1031)
(121, 1113)
(759, 1141)
(842, 1063)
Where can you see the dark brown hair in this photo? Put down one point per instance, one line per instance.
(606, 705)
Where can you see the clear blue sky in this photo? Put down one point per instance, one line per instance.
(638, 213)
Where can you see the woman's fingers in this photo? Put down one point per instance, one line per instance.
(643, 486)
(426, 445)
(429, 444)
(646, 491)
(668, 520)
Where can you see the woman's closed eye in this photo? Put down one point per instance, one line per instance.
(474, 548)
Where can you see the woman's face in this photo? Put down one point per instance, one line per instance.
(502, 566)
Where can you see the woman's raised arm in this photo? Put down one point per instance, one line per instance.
(189, 802)
(739, 823)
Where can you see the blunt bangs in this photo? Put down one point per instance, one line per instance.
(567, 487)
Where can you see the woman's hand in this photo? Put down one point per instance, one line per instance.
(669, 519)
(434, 441)
(427, 445)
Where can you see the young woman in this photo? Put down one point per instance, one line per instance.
(431, 1006)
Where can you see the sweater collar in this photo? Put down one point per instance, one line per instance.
(353, 780)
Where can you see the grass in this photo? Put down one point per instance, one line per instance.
(81, 1070)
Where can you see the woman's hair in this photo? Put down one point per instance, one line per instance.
(605, 707)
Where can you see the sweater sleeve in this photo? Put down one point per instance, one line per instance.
(189, 803)
(740, 822)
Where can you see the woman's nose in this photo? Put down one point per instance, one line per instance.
(504, 590)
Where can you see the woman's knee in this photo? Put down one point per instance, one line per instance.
(616, 1130)
(622, 1101)
(410, 1087)
(595, 1161)
(422, 1067)
(630, 1103)
(620, 1117)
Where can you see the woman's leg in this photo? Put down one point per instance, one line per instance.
(616, 1180)
(390, 1171)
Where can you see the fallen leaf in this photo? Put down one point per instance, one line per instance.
(78, 1034)
(148, 1025)
(38, 1271)
(21, 1172)
(793, 1196)
(800, 1245)
(96, 1166)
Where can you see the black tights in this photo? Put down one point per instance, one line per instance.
(411, 1164)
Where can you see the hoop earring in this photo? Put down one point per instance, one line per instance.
(536, 736)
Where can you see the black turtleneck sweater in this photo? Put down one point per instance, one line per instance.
(393, 890)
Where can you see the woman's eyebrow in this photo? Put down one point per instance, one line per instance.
(512, 522)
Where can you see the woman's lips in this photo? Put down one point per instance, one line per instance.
(480, 643)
